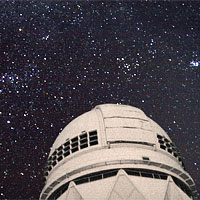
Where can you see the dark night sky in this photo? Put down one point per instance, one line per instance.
(60, 59)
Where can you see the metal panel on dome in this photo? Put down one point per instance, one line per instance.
(117, 111)
(128, 129)
(129, 134)
(127, 123)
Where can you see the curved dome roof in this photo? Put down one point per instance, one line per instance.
(113, 122)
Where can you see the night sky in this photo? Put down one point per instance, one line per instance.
(59, 59)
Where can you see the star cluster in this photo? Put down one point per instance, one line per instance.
(61, 58)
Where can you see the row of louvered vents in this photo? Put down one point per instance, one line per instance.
(168, 146)
(71, 146)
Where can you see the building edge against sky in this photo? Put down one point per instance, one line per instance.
(115, 152)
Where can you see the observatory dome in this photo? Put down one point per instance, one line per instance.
(110, 138)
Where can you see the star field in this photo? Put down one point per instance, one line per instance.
(59, 59)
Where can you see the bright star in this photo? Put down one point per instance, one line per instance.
(194, 63)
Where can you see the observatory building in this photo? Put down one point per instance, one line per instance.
(115, 152)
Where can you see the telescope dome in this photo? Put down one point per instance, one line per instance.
(113, 137)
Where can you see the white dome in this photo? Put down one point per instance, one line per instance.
(113, 122)
(112, 136)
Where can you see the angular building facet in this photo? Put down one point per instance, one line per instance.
(115, 152)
